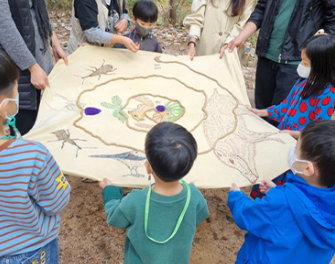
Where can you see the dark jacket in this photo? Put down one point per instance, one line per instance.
(21, 15)
(147, 43)
(307, 18)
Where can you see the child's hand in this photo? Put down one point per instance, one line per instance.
(105, 183)
(234, 187)
(266, 185)
(261, 113)
(294, 134)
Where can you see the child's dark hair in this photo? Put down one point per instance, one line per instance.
(170, 150)
(9, 73)
(320, 50)
(318, 146)
(146, 11)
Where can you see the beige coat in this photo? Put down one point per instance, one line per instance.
(213, 26)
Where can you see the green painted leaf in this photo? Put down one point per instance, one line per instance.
(108, 105)
(117, 115)
(116, 100)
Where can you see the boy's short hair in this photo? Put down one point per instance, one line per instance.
(170, 150)
(318, 146)
(9, 73)
(146, 11)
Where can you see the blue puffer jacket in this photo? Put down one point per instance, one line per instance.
(293, 223)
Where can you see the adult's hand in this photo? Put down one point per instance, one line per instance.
(59, 53)
(191, 51)
(121, 26)
(130, 45)
(57, 49)
(223, 49)
(237, 42)
(38, 77)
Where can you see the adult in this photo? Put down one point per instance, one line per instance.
(285, 25)
(213, 24)
(96, 21)
(25, 35)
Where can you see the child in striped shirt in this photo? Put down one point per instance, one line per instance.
(33, 190)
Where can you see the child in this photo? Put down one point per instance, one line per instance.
(33, 190)
(295, 222)
(313, 96)
(145, 14)
(161, 220)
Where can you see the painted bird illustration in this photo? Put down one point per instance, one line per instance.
(64, 135)
(132, 160)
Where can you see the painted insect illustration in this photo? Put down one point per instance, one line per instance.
(70, 105)
(132, 160)
(64, 136)
(107, 69)
(171, 111)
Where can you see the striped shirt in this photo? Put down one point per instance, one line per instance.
(33, 191)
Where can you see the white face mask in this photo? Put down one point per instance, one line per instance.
(292, 158)
(303, 71)
(16, 101)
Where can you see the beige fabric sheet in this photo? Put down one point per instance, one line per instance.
(129, 93)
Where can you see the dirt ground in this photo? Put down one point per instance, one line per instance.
(85, 236)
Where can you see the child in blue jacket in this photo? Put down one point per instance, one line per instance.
(294, 222)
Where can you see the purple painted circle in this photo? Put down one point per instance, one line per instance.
(91, 111)
(160, 108)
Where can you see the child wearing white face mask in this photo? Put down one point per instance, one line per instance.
(313, 96)
(294, 222)
(145, 14)
(33, 190)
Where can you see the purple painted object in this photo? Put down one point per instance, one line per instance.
(91, 111)
(160, 108)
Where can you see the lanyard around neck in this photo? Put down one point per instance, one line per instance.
(11, 122)
(180, 219)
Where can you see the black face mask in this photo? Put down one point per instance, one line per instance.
(142, 31)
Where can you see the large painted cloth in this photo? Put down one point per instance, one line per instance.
(96, 114)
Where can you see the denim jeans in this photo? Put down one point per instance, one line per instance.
(44, 255)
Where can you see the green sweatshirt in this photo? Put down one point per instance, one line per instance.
(128, 213)
(279, 31)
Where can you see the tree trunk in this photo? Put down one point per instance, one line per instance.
(173, 12)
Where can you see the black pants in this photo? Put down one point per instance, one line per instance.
(274, 82)
(25, 120)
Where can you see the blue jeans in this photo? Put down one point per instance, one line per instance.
(44, 255)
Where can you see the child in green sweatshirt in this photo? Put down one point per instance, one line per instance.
(161, 220)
